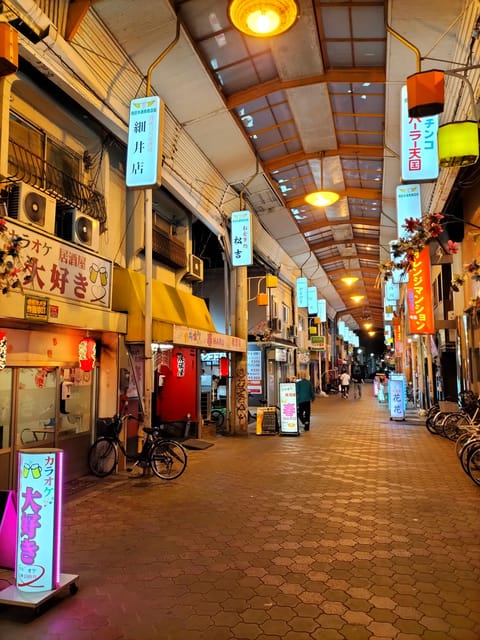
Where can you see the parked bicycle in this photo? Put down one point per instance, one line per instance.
(166, 458)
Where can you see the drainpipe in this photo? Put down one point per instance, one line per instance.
(148, 219)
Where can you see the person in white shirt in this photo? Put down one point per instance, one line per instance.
(345, 384)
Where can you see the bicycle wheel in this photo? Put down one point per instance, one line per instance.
(168, 459)
(218, 416)
(473, 464)
(451, 426)
(102, 457)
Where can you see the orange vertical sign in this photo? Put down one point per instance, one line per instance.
(419, 295)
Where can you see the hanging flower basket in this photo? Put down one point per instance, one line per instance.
(420, 231)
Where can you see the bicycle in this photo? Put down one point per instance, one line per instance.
(166, 458)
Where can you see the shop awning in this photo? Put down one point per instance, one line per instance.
(170, 307)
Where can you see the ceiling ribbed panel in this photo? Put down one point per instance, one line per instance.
(185, 160)
(121, 79)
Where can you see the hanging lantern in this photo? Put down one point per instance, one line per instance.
(425, 93)
(3, 350)
(87, 353)
(271, 281)
(262, 299)
(223, 367)
(458, 144)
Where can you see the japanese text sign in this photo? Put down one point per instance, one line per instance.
(302, 292)
(144, 150)
(322, 310)
(419, 295)
(396, 396)
(241, 239)
(37, 566)
(419, 146)
(312, 302)
(64, 270)
(409, 205)
(288, 408)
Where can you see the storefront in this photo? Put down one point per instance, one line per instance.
(182, 329)
(46, 398)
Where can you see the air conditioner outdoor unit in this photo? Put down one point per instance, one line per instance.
(79, 228)
(276, 325)
(30, 206)
(195, 269)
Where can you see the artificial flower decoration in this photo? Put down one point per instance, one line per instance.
(262, 332)
(471, 270)
(419, 232)
(15, 272)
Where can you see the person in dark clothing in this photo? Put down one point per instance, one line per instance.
(305, 395)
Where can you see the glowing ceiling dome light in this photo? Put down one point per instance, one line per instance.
(263, 18)
(322, 198)
(349, 280)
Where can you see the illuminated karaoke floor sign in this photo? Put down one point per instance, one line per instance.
(39, 530)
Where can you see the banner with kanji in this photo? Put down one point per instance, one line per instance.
(419, 295)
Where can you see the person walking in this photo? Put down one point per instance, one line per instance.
(345, 383)
(357, 380)
(305, 396)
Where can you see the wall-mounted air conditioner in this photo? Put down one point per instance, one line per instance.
(195, 269)
(276, 325)
(291, 331)
(79, 228)
(31, 206)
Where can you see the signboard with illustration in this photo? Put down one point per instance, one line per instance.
(288, 409)
(63, 270)
(37, 565)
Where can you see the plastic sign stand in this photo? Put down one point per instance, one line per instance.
(288, 409)
(397, 396)
(39, 522)
(8, 529)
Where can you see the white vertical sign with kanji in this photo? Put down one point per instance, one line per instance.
(145, 137)
(241, 239)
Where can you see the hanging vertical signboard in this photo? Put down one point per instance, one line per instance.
(419, 145)
(409, 205)
(312, 302)
(302, 293)
(144, 146)
(419, 295)
(322, 310)
(241, 239)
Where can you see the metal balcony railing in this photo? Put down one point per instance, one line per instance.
(35, 171)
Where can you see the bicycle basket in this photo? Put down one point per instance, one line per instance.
(109, 426)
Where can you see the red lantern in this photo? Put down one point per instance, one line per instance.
(3, 350)
(224, 367)
(87, 354)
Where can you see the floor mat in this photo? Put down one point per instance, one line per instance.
(195, 443)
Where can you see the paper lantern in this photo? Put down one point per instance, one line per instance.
(458, 144)
(3, 350)
(262, 299)
(87, 349)
(425, 93)
(223, 367)
(271, 281)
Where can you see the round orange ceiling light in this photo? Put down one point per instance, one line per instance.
(322, 198)
(262, 18)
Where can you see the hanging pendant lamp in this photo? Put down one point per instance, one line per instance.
(321, 198)
(262, 18)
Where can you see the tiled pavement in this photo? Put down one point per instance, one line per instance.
(362, 529)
